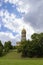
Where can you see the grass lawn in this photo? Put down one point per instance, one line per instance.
(13, 58)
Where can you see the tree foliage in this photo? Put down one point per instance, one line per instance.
(33, 48)
(7, 46)
(1, 48)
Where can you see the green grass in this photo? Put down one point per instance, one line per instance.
(13, 58)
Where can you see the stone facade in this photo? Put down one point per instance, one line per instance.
(23, 36)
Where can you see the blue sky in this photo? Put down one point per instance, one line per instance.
(16, 14)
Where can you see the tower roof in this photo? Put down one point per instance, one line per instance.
(23, 31)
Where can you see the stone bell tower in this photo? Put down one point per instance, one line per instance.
(23, 35)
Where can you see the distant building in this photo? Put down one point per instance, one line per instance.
(23, 36)
(17, 43)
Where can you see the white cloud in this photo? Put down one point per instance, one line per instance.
(35, 16)
(15, 25)
(1, 2)
(0, 5)
(0, 25)
(22, 6)
(5, 1)
(11, 1)
(23, 9)
(6, 36)
(1, 13)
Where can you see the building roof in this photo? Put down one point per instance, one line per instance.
(23, 31)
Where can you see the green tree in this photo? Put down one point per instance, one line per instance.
(7, 46)
(1, 48)
(23, 48)
(33, 48)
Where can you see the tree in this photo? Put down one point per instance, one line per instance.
(23, 48)
(36, 45)
(1, 48)
(35, 36)
(7, 46)
(33, 48)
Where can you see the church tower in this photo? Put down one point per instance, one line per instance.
(23, 35)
